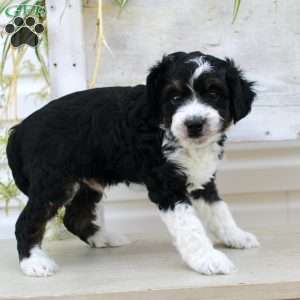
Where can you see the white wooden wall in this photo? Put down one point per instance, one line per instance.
(265, 41)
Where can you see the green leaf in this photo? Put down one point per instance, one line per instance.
(5, 49)
(45, 40)
(236, 8)
(8, 191)
(121, 3)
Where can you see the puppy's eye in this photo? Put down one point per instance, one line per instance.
(175, 99)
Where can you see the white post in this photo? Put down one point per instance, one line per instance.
(67, 64)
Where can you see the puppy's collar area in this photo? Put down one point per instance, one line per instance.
(170, 143)
(169, 136)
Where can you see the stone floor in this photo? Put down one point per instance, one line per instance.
(150, 268)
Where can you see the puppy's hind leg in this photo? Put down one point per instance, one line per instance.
(44, 201)
(84, 218)
(30, 228)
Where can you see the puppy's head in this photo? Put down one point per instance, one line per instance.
(198, 96)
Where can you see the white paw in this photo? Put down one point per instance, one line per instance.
(38, 264)
(107, 239)
(239, 239)
(211, 262)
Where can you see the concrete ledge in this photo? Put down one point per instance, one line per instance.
(150, 268)
(242, 291)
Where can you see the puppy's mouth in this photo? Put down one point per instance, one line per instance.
(196, 135)
(198, 140)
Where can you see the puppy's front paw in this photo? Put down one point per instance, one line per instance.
(240, 239)
(38, 265)
(212, 262)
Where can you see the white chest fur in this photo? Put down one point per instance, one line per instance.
(199, 163)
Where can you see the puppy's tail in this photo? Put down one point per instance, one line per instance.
(13, 153)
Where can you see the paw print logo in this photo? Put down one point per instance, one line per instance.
(24, 31)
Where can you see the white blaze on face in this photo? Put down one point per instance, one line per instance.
(194, 108)
(203, 66)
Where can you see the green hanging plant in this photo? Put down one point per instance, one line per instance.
(9, 81)
(8, 191)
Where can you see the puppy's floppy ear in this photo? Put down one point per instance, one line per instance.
(156, 80)
(241, 91)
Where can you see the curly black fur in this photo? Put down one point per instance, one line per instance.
(111, 134)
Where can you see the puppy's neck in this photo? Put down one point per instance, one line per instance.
(171, 143)
(199, 162)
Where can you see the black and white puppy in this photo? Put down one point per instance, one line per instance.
(167, 135)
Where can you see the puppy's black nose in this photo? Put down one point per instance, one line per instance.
(194, 127)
